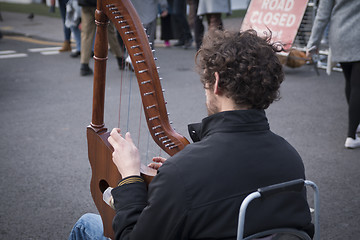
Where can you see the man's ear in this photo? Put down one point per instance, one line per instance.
(217, 90)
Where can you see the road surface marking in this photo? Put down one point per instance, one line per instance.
(15, 55)
(7, 52)
(49, 52)
(51, 49)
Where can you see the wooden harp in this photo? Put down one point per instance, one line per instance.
(131, 30)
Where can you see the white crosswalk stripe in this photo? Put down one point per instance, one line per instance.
(49, 52)
(11, 54)
(6, 54)
(48, 49)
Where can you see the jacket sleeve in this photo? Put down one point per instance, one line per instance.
(158, 214)
(322, 19)
(163, 5)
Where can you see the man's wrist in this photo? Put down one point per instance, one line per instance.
(130, 179)
(130, 173)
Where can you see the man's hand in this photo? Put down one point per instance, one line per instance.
(157, 163)
(311, 51)
(164, 13)
(125, 156)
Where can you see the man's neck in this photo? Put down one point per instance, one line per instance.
(227, 104)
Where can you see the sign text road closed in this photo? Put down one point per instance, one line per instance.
(281, 17)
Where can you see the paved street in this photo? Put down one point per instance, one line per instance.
(45, 107)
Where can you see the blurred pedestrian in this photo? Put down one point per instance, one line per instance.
(192, 10)
(344, 39)
(212, 10)
(88, 28)
(196, 23)
(180, 24)
(72, 21)
(66, 47)
(147, 11)
(165, 25)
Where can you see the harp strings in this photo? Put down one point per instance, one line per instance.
(146, 146)
(131, 113)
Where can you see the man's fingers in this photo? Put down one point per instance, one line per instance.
(159, 159)
(115, 137)
(115, 133)
(155, 166)
(128, 137)
(117, 141)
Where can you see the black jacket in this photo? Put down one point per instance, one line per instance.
(197, 193)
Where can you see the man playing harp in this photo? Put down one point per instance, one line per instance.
(196, 194)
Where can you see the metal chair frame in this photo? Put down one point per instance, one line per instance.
(295, 185)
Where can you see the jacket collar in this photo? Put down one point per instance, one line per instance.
(229, 121)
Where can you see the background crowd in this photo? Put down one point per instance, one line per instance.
(181, 21)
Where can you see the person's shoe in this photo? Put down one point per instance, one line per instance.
(129, 64)
(352, 143)
(121, 62)
(85, 70)
(167, 43)
(66, 47)
(188, 43)
(179, 43)
(358, 129)
(75, 54)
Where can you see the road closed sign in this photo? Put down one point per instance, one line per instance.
(281, 17)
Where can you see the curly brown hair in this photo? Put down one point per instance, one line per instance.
(249, 71)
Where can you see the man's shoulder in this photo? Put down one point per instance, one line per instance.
(186, 162)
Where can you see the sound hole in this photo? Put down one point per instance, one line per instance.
(103, 185)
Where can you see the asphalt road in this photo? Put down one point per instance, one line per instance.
(45, 107)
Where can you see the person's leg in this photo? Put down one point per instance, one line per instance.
(354, 100)
(187, 33)
(87, 38)
(179, 10)
(166, 30)
(192, 13)
(151, 32)
(67, 32)
(198, 27)
(113, 41)
(89, 226)
(214, 21)
(346, 67)
(115, 46)
(352, 90)
(77, 35)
